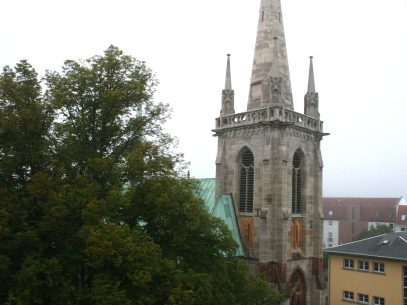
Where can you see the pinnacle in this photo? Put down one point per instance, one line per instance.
(311, 81)
(228, 80)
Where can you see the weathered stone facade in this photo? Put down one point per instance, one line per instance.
(269, 160)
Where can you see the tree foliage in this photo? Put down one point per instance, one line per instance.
(374, 231)
(93, 206)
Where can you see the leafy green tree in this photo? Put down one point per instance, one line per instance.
(374, 231)
(177, 221)
(94, 207)
(106, 110)
(25, 122)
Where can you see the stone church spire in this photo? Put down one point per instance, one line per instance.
(275, 71)
(269, 166)
(270, 25)
(228, 95)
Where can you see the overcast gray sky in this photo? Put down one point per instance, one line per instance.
(360, 63)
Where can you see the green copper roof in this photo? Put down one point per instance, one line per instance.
(207, 193)
(222, 208)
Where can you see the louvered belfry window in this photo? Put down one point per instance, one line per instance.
(246, 181)
(297, 184)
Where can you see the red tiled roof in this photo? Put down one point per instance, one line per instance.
(367, 209)
(402, 210)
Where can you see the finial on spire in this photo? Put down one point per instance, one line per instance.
(228, 81)
(311, 81)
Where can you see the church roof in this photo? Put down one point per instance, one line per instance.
(387, 246)
(222, 208)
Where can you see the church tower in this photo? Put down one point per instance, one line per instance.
(269, 161)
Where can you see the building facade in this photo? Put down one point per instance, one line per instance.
(401, 217)
(331, 233)
(372, 271)
(346, 218)
(269, 161)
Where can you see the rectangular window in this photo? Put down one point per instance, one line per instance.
(364, 265)
(348, 263)
(348, 295)
(378, 267)
(330, 223)
(378, 301)
(363, 298)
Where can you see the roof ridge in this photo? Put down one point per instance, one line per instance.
(402, 238)
(356, 241)
(360, 197)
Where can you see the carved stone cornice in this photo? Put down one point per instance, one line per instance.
(261, 121)
(269, 116)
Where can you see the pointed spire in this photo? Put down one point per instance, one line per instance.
(311, 81)
(274, 65)
(228, 81)
(228, 95)
(270, 25)
(272, 87)
(311, 99)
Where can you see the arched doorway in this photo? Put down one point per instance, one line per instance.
(298, 290)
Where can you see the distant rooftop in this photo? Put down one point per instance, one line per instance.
(387, 246)
(401, 215)
(367, 208)
(374, 201)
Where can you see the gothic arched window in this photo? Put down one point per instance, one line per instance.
(246, 181)
(297, 206)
